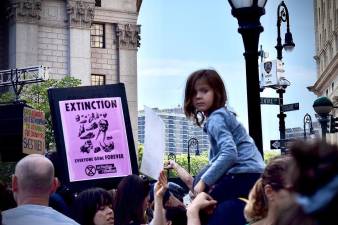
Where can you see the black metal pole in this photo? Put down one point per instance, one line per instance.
(323, 123)
(188, 158)
(279, 46)
(281, 117)
(250, 29)
(304, 128)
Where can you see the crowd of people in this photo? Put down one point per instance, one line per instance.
(235, 188)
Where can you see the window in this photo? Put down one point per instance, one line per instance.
(98, 3)
(97, 36)
(98, 79)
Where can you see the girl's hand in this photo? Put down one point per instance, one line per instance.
(171, 164)
(200, 187)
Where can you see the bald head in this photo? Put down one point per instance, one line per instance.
(35, 174)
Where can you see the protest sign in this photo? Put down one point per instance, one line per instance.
(33, 134)
(93, 134)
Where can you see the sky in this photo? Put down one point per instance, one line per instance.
(181, 36)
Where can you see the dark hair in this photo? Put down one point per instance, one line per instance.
(130, 195)
(216, 83)
(177, 215)
(315, 165)
(88, 202)
(273, 175)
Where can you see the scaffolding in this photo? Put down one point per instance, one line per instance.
(17, 78)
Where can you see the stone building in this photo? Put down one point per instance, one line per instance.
(326, 33)
(92, 40)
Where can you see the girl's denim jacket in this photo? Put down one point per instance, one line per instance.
(232, 150)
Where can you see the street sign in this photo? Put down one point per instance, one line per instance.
(290, 107)
(270, 101)
(277, 144)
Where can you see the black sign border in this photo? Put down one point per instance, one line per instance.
(56, 95)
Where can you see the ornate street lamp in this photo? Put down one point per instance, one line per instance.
(248, 13)
(323, 106)
(171, 156)
(282, 16)
(307, 120)
(191, 142)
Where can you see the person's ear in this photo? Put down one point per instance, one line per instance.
(268, 192)
(14, 183)
(54, 186)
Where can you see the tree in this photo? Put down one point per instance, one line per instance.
(36, 96)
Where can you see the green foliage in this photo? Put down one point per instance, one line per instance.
(7, 97)
(139, 154)
(196, 162)
(36, 96)
(269, 154)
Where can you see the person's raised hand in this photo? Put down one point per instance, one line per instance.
(171, 164)
(161, 185)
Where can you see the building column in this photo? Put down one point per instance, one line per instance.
(80, 15)
(128, 40)
(23, 16)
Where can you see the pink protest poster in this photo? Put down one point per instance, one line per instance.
(95, 138)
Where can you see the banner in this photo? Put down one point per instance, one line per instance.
(95, 138)
(33, 134)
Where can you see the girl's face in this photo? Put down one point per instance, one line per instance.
(104, 216)
(203, 98)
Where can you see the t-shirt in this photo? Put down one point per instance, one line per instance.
(34, 215)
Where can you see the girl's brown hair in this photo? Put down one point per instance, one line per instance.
(273, 175)
(215, 81)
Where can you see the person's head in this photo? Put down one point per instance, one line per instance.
(94, 207)
(269, 191)
(204, 93)
(314, 165)
(33, 180)
(176, 216)
(131, 200)
(314, 178)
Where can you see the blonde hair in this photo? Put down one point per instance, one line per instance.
(257, 206)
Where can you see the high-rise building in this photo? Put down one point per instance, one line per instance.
(178, 131)
(95, 41)
(326, 33)
(299, 133)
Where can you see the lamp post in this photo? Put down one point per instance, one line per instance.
(323, 107)
(282, 16)
(171, 156)
(248, 13)
(307, 120)
(192, 141)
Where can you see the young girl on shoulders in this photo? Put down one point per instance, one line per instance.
(234, 160)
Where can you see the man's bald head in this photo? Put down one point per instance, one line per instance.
(35, 175)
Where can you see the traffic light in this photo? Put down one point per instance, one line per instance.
(333, 124)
